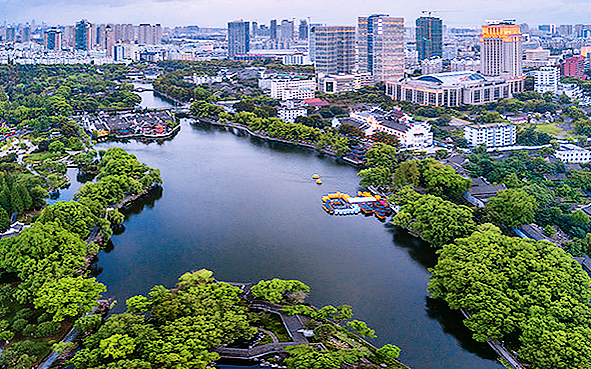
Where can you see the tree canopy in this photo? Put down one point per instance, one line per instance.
(531, 294)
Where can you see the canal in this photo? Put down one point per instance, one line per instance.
(249, 210)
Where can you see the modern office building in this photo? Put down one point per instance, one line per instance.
(381, 46)
(273, 29)
(546, 79)
(449, 89)
(83, 36)
(334, 49)
(287, 30)
(429, 37)
(491, 134)
(340, 83)
(53, 39)
(303, 30)
(238, 38)
(501, 52)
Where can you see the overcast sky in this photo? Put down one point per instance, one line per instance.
(334, 12)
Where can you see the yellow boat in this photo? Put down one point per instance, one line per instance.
(318, 181)
(315, 176)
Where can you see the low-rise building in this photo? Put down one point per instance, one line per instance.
(289, 114)
(410, 134)
(450, 89)
(467, 64)
(339, 83)
(570, 153)
(203, 80)
(481, 191)
(491, 134)
(289, 87)
(431, 65)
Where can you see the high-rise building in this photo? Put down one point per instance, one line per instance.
(255, 28)
(273, 29)
(574, 67)
(53, 39)
(287, 28)
(83, 36)
(381, 46)
(429, 37)
(109, 40)
(26, 34)
(501, 52)
(149, 34)
(238, 38)
(303, 30)
(546, 79)
(334, 49)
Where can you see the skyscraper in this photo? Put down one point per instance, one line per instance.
(238, 38)
(303, 30)
(83, 36)
(501, 52)
(429, 37)
(287, 28)
(273, 29)
(53, 39)
(381, 46)
(334, 49)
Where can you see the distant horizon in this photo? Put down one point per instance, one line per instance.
(216, 13)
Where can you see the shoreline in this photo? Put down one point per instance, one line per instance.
(277, 140)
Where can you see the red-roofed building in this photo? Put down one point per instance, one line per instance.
(316, 102)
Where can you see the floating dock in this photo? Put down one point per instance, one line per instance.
(340, 203)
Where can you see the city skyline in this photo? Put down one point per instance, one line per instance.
(216, 13)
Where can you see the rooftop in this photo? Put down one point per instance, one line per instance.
(452, 78)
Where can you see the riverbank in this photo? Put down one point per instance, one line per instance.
(302, 144)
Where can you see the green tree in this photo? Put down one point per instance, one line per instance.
(381, 155)
(69, 297)
(441, 180)
(388, 353)
(361, 328)
(512, 208)
(529, 292)
(117, 346)
(4, 220)
(276, 290)
(437, 221)
(379, 177)
(56, 147)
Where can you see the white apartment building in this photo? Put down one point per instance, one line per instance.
(546, 79)
(569, 153)
(491, 134)
(290, 114)
(289, 88)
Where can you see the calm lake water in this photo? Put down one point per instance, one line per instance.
(249, 210)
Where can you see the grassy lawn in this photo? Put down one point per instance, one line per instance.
(550, 129)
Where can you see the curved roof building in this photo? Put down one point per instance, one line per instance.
(449, 89)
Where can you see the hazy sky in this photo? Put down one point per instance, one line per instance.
(334, 12)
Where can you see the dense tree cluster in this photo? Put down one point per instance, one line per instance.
(436, 220)
(530, 294)
(19, 192)
(120, 175)
(169, 328)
